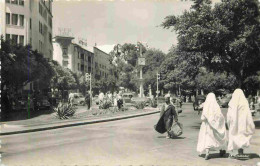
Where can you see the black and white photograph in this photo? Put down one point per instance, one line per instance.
(130, 82)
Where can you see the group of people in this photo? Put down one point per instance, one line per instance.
(115, 99)
(213, 133)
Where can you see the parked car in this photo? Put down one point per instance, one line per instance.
(42, 102)
(252, 107)
(127, 97)
(224, 101)
(79, 99)
(138, 99)
(198, 101)
(21, 103)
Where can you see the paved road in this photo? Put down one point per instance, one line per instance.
(124, 142)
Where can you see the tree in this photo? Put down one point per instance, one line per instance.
(186, 70)
(63, 79)
(153, 60)
(226, 36)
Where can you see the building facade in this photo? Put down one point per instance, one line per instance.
(28, 22)
(78, 58)
(81, 58)
(102, 64)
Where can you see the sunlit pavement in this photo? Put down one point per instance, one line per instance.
(124, 142)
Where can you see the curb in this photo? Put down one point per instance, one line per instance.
(77, 123)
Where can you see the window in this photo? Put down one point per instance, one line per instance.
(14, 19)
(44, 14)
(40, 28)
(40, 8)
(14, 2)
(7, 1)
(50, 22)
(21, 40)
(30, 23)
(7, 36)
(7, 18)
(21, 20)
(65, 63)
(65, 51)
(51, 54)
(21, 2)
(15, 38)
(50, 37)
(30, 4)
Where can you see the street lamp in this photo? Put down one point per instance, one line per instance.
(141, 63)
(157, 91)
(88, 78)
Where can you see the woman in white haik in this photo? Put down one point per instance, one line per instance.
(213, 134)
(240, 123)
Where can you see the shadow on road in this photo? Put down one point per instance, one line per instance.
(172, 138)
(216, 155)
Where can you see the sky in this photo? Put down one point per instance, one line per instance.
(118, 22)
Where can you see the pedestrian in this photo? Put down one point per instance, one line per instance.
(213, 134)
(101, 98)
(240, 123)
(168, 117)
(119, 101)
(87, 100)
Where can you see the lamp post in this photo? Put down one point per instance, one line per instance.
(157, 89)
(88, 78)
(141, 63)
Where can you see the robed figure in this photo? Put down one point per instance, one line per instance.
(168, 116)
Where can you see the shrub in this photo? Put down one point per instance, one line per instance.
(105, 104)
(140, 104)
(64, 111)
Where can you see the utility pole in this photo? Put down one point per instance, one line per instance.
(157, 90)
(141, 63)
(88, 78)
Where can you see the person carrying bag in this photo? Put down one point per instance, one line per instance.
(168, 121)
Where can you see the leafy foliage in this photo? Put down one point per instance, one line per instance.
(105, 104)
(226, 36)
(65, 110)
(140, 104)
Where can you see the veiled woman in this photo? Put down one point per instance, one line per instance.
(168, 115)
(240, 123)
(212, 135)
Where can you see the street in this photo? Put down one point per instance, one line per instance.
(125, 142)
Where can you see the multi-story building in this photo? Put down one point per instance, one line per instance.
(77, 57)
(81, 58)
(28, 22)
(102, 64)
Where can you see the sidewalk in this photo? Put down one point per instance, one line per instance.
(49, 121)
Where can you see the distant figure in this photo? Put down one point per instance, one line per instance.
(101, 97)
(212, 135)
(119, 101)
(240, 123)
(110, 96)
(87, 100)
(71, 99)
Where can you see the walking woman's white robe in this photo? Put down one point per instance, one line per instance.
(240, 121)
(212, 135)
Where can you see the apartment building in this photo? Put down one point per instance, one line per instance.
(102, 64)
(73, 55)
(28, 22)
